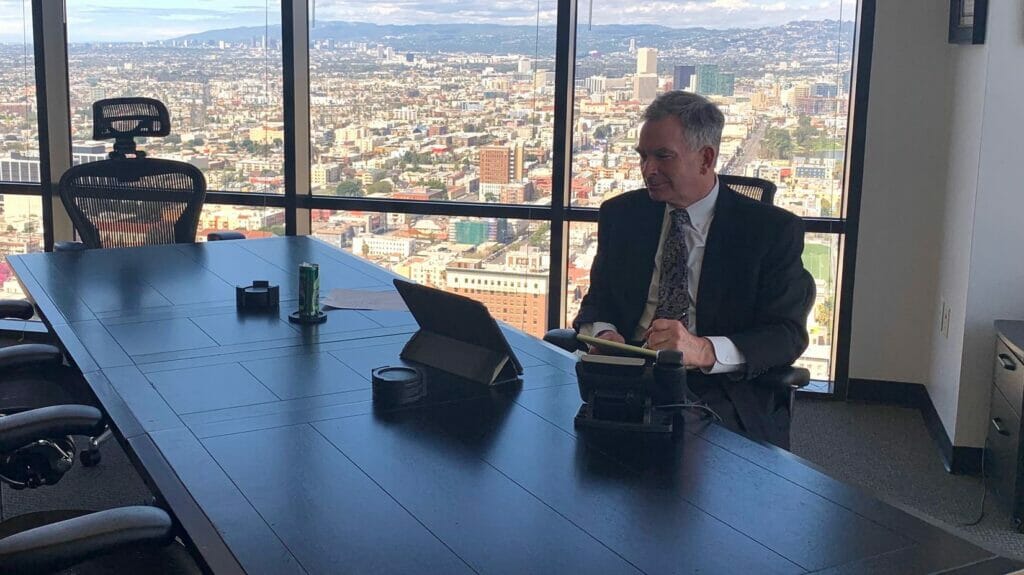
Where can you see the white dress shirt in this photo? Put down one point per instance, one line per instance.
(729, 357)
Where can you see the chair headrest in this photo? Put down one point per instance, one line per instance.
(123, 119)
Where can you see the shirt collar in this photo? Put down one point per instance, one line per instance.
(702, 210)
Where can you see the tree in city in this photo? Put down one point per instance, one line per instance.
(602, 133)
(435, 184)
(275, 229)
(826, 208)
(823, 311)
(777, 143)
(804, 132)
(349, 188)
(540, 235)
(381, 187)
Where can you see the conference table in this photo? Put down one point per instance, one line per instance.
(261, 437)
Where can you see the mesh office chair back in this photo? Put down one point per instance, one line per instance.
(129, 199)
(754, 188)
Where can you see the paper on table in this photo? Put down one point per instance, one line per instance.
(359, 299)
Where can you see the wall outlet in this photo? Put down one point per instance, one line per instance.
(944, 321)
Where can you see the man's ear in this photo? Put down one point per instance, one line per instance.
(709, 157)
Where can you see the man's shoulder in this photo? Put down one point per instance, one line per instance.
(634, 199)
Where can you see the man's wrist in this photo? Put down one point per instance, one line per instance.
(706, 356)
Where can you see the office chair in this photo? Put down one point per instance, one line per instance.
(130, 199)
(754, 188)
(32, 376)
(36, 449)
(783, 381)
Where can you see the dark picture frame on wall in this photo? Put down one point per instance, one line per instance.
(967, 20)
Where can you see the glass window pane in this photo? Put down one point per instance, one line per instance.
(21, 232)
(21, 227)
(19, 130)
(217, 68)
(820, 258)
(780, 73)
(253, 221)
(502, 263)
(435, 102)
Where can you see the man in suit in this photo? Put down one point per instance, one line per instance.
(690, 264)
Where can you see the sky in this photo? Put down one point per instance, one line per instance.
(128, 20)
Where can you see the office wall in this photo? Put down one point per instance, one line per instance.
(968, 72)
(904, 179)
(942, 208)
(996, 281)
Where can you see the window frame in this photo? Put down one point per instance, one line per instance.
(51, 74)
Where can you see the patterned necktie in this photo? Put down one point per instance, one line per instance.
(673, 286)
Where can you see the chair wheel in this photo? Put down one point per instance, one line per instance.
(90, 457)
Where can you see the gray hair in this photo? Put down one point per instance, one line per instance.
(702, 120)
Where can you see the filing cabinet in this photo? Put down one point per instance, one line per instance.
(1003, 458)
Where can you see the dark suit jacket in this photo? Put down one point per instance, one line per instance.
(753, 286)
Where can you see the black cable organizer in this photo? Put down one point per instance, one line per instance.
(395, 386)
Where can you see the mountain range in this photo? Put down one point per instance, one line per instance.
(499, 39)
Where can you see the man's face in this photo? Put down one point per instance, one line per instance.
(671, 170)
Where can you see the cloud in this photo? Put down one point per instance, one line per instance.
(128, 20)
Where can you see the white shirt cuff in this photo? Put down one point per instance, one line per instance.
(728, 357)
(592, 329)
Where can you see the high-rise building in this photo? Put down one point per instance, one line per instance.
(681, 77)
(501, 164)
(476, 232)
(726, 84)
(646, 61)
(825, 90)
(710, 81)
(645, 88)
(707, 78)
(596, 84)
(632, 45)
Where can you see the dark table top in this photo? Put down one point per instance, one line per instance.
(261, 437)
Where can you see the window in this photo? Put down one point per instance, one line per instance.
(21, 229)
(19, 131)
(253, 221)
(782, 78)
(433, 130)
(449, 253)
(433, 103)
(224, 93)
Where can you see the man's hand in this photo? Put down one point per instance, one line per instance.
(670, 334)
(608, 334)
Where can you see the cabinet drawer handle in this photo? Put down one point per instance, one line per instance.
(1008, 363)
(998, 424)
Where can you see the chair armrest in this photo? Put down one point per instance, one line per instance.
(16, 308)
(784, 378)
(220, 236)
(565, 339)
(66, 543)
(22, 354)
(20, 429)
(69, 247)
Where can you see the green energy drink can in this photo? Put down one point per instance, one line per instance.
(309, 289)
